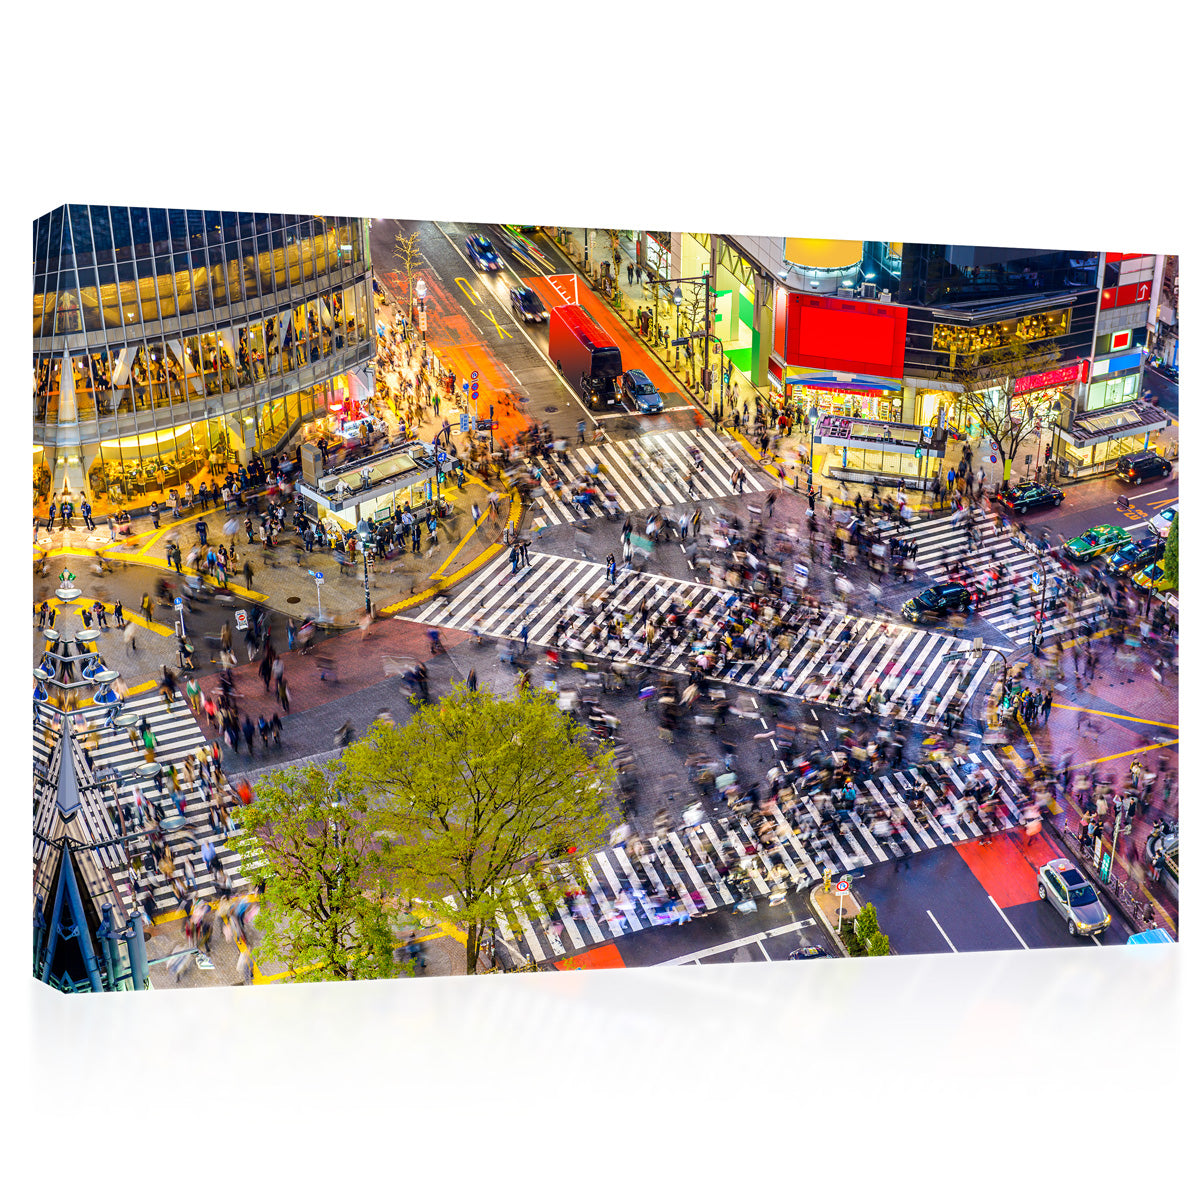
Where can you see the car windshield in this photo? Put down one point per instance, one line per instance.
(928, 596)
(1092, 539)
(483, 244)
(645, 388)
(1081, 896)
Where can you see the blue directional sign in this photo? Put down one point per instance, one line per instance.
(441, 456)
(178, 601)
(462, 422)
(926, 432)
(318, 575)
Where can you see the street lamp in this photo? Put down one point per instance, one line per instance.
(366, 539)
(421, 289)
(813, 414)
(1056, 414)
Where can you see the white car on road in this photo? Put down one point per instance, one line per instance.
(1162, 523)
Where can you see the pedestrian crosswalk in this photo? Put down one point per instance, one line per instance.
(841, 659)
(618, 895)
(942, 543)
(178, 734)
(645, 472)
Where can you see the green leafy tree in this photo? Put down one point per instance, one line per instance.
(325, 915)
(1170, 560)
(989, 380)
(863, 935)
(490, 801)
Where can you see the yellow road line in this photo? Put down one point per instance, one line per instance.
(1029, 738)
(1091, 762)
(444, 929)
(1097, 712)
(130, 616)
(478, 561)
(440, 572)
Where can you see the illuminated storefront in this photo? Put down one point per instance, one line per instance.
(1095, 440)
(867, 399)
(171, 345)
(863, 450)
(974, 339)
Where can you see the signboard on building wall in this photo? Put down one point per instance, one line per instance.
(821, 253)
(1047, 379)
(844, 335)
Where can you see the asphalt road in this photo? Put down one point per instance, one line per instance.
(1161, 391)
(769, 934)
(969, 897)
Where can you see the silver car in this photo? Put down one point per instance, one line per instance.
(1064, 885)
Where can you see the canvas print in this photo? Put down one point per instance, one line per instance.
(419, 597)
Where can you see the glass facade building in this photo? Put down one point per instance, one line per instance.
(170, 345)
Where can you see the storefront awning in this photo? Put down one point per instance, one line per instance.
(1123, 421)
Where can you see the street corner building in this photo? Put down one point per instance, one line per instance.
(171, 345)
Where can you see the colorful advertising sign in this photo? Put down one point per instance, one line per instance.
(818, 252)
(1046, 379)
(844, 335)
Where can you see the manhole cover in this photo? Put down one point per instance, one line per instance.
(293, 599)
(550, 408)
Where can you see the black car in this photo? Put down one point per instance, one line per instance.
(938, 601)
(526, 306)
(1133, 556)
(1141, 466)
(1024, 496)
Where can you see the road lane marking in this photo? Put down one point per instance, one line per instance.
(504, 333)
(1143, 495)
(468, 289)
(942, 931)
(1091, 762)
(697, 955)
(524, 333)
(1006, 921)
(1098, 712)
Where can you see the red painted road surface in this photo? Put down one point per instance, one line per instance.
(1007, 867)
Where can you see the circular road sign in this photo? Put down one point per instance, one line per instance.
(842, 885)
(474, 375)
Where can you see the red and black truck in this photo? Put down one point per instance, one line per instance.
(585, 355)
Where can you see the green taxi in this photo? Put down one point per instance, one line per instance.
(1100, 539)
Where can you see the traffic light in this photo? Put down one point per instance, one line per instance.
(1047, 453)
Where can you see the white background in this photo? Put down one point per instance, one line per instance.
(1025, 1073)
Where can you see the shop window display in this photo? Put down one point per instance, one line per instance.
(1036, 327)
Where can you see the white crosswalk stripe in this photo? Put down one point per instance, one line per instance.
(852, 654)
(645, 472)
(178, 734)
(676, 861)
(941, 543)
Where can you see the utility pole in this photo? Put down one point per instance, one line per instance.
(707, 335)
(367, 542)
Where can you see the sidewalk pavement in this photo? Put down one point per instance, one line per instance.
(1079, 729)
(833, 908)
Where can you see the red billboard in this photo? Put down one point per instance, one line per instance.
(1046, 379)
(844, 335)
